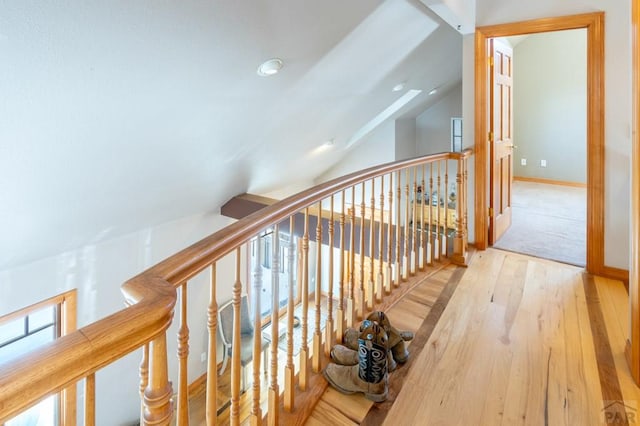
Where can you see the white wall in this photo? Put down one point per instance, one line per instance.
(97, 272)
(550, 106)
(377, 148)
(405, 138)
(433, 127)
(617, 103)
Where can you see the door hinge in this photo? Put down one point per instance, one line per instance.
(490, 136)
(490, 211)
(490, 61)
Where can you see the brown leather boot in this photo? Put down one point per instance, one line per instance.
(343, 355)
(396, 337)
(369, 376)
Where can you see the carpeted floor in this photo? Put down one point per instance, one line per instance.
(549, 221)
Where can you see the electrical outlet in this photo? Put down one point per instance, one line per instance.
(543, 163)
(523, 161)
(203, 357)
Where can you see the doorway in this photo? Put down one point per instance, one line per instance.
(549, 148)
(594, 24)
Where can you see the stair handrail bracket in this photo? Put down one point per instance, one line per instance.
(151, 297)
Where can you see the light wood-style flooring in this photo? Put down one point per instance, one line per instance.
(512, 339)
(523, 341)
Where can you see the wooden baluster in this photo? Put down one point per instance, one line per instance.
(460, 239)
(274, 388)
(372, 227)
(341, 314)
(437, 244)
(235, 348)
(256, 410)
(303, 377)
(329, 337)
(380, 280)
(360, 299)
(157, 395)
(212, 359)
(439, 211)
(433, 216)
(389, 275)
(289, 370)
(317, 335)
(465, 211)
(89, 400)
(351, 308)
(445, 244)
(144, 378)
(396, 280)
(414, 227)
(424, 244)
(405, 245)
(183, 353)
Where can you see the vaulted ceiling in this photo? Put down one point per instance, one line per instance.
(119, 115)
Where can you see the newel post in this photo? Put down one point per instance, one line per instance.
(158, 408)
(460, 240)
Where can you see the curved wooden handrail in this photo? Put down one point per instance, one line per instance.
(152, 296)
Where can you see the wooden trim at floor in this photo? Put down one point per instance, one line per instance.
(550, 181)
(616, 274)
(378, 412)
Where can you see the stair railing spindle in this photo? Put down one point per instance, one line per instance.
(414, 226)
(405, 244)
(289, 371)
(389, 270)
(341, 314)
(183, 354)
(256, 410)
(351, 302)
(372, 227)
(380, 278)
(329, 337)
(212, 359)
(360, 299)
(89, 401)
(274, 389)
(396, 280)
(317, 335)
(303, 377)
(235, 349)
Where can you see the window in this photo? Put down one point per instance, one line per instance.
(23, 331)
(456, 134)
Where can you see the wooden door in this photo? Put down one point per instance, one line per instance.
(500, 137)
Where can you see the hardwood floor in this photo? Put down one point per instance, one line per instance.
(521, 343)
(510, 340)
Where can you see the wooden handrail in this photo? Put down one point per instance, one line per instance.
(151, 297)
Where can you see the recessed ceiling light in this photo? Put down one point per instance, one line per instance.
(270, 67)
(398, 87)
(433, 91)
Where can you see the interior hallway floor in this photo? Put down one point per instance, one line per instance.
(548, 221)
(522, 341)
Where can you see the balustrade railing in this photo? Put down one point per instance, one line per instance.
(344, 253)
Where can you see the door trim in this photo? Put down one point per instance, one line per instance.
(594, 24)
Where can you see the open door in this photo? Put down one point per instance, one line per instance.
(500, 137)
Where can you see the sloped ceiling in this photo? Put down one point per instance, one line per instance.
(119, 115)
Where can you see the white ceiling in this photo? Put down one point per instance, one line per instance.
(119, 115)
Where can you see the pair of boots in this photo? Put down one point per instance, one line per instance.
(365, 368)
(346, 354)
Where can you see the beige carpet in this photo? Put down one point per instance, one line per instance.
(549, 221)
